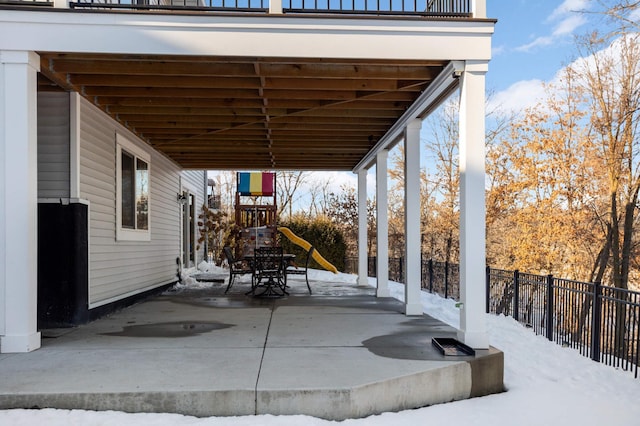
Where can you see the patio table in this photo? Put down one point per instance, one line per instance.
(272, 288)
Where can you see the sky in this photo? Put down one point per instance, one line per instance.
(547, 384)
(532, 42)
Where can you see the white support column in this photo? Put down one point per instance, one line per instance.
(382, 225)
(479, 8)
(412, 258)
(275, 7)
(62, 4)
(473, 330)
(18, 201)
(363, 272)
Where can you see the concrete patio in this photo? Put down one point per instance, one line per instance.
(340, 353)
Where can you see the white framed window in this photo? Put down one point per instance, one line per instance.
(133, 195)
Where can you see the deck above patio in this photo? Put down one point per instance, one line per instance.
(421, 8)
(341, 353)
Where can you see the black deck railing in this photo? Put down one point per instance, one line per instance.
(452, 8)
(257, 6)
(600, 322)
(426, 8)
(26, 2)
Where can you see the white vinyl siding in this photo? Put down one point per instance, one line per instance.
(121, 268)
(53, 145)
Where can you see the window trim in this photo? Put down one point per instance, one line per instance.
(126, 234)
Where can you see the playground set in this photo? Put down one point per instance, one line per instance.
(256, 215)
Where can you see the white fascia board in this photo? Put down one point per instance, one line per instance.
(434, 95)
(271, 36)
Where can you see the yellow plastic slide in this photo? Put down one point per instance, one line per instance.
(307, 246)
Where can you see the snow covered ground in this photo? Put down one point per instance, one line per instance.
(547, 385)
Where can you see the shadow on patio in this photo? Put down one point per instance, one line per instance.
(340, 353)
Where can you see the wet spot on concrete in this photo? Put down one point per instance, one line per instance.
(219, 302)
(169, 329)
(354, 302)
(428, 322)
(54, 333)
(410, 345)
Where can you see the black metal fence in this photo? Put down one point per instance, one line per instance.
(441, 278)
(600, 322)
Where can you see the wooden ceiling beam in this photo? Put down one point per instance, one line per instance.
(290, 127)
(163, 92)
(152, 67)
(219, 123)
(352, 71)
(339, 127)
(315, 98)
(168, 92)
(357, 71)
(329, 84)
(191, 118)
(393, 100)
(350, 112)
(216, 82)
(362, 121)
(198, 151)
(180, 101)
(173, 133)
(326, 158)
(241, 145)
(238, 143)
(182, 82)
(185, 110)
(210, 164)
(237, 117)
(218, 108)
(57, 78)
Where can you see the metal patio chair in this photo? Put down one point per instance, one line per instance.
(236, 266)
(293, 269)
(269, 272)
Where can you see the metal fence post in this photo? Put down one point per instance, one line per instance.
(430, 275)
(516, 295)
(446, 279)
(596, 317)
(488, 288)
(375, 267)
(550, 304)
(421, 271)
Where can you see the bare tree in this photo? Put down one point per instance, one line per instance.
(227, 182)
(287, 186)
(441, 145)
(319, 197)
(343, 211)
(623, 13)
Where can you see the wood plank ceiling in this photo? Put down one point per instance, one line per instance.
(240, 113)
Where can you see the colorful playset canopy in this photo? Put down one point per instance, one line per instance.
(256, 183)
